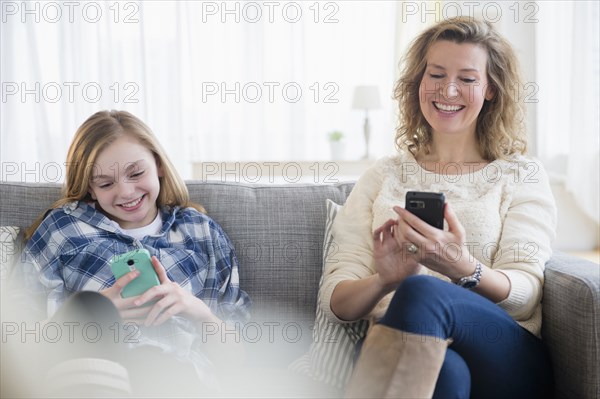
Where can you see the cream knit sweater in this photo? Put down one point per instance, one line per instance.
(506, 208)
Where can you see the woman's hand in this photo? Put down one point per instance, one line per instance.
(171, 300)
(391, 257)
(442, 251)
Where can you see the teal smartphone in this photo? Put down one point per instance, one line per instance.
(137, 259)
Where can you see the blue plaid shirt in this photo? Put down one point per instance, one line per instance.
(72, 247)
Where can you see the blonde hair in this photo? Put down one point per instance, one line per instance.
(500, 128)
(92, 137)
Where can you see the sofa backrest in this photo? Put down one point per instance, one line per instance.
(277, 231)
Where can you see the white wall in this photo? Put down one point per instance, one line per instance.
(575, 231)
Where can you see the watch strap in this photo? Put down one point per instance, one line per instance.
(473, 280)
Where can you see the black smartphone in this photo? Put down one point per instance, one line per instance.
(429, 207)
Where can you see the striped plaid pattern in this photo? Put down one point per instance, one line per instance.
(330, 358)
(72, 247)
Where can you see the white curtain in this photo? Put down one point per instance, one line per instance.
(193, 71)
(569, 85)
(216, 81)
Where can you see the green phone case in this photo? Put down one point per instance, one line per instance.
(137, 259)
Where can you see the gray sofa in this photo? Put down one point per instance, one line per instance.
(278, 233)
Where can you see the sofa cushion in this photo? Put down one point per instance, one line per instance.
(274, 229)
(277, 231)
(22, 203)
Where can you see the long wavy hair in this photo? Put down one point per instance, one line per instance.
(500, 127)
(93, 136)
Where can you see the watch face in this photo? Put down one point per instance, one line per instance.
(469, 284)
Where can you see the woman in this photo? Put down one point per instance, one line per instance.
(458, 310)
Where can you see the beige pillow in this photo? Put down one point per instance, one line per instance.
(330, 357)
(11, 245)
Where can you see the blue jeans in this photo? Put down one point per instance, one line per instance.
(491, 356)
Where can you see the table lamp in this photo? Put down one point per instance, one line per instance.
(366, 97)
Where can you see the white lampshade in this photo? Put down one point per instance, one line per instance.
(366, 97)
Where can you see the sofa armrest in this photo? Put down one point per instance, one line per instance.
(570, 326)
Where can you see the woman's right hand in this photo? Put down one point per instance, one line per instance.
(125, 306)
(392, 263)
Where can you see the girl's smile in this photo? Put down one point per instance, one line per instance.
(133, 205)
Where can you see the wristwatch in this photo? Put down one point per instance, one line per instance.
(473, 280)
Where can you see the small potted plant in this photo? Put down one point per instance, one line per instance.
(336, 144)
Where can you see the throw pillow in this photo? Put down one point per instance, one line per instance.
(10, 248)
(331, 354)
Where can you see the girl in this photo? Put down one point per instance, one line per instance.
(122, 193)
(458, 310)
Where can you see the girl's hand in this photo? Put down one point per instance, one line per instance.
(390, 255)
(442, 251)
(125, 306)
(171, 299)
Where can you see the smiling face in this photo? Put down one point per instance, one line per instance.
(125, 183)
(454, 87)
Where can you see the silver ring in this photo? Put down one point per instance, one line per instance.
(412, 248)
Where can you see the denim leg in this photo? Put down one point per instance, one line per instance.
(504, 359)
(454, 381)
